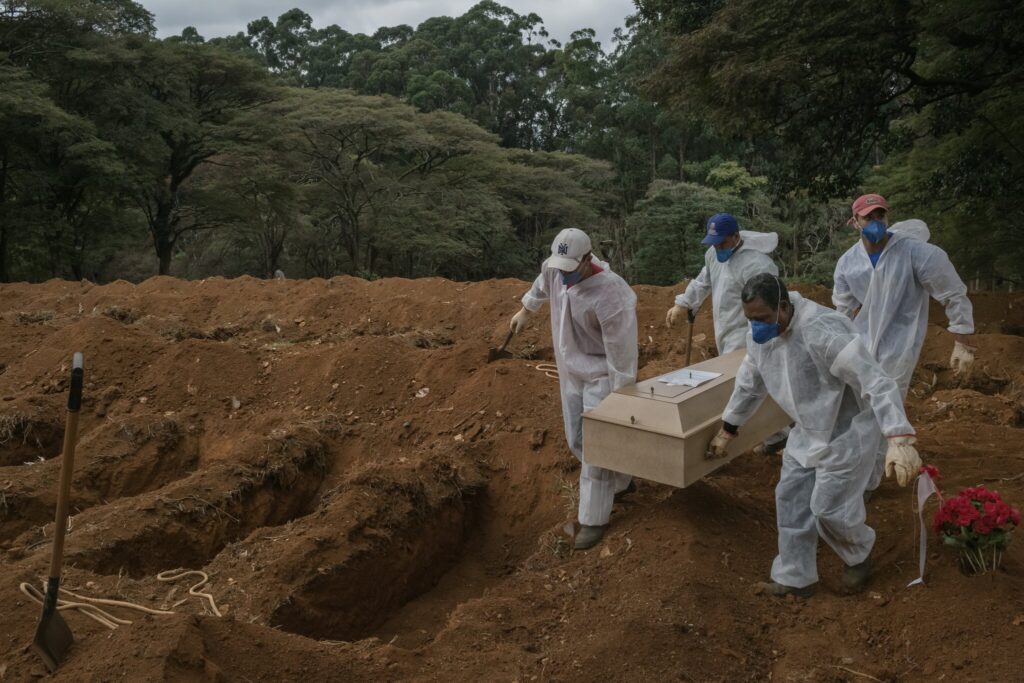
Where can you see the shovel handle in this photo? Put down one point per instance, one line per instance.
(508, 338)
(77, 379)
(67, 467)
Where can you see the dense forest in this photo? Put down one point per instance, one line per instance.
(461, 146)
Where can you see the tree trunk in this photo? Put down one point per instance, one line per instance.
(160, 227)
(163, 255)
(682, 158)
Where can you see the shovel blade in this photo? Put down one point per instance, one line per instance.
(53, 639)
(497, 354)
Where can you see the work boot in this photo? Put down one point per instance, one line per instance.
(855, 576)
(625, 492)
(779, 590)
(588, 536)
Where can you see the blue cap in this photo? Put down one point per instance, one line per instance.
(720, 226)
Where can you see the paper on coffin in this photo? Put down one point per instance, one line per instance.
(660, 432)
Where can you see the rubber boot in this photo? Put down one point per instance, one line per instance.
(779, 590)
(855, 576)
(625, 492)
(588, 536)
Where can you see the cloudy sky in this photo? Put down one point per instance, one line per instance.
(225, 17)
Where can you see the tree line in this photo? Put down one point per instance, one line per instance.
(461, 146)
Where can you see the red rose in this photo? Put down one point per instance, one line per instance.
(931, 470)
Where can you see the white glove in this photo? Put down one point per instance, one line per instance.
(675, 315)
(716, 449)
(962, 358)
(902, 459)
(519, 320)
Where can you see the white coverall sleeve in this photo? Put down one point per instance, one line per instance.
(850, 361)
(696, 291)
(842, 298)
(619, 332)
(937, 275)
(748, 392)
(538, 294)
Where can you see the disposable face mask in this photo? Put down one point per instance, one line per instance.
(569, 279)
(762, 332)
(723, 255)
(874, 231)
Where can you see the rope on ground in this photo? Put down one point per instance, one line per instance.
(89, 606)
(549, 369)
(175, 574)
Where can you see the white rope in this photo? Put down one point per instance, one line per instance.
(549, 369)
(170, 575)
(88, 606)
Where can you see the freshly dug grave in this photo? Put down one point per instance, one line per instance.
(373, 501)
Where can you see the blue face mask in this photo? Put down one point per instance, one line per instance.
(763, 332)
(723, 255)
(569, 279)
(874, 231)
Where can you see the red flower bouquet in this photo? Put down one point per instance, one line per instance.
(978, 523)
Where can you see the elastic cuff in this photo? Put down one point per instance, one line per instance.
(730, 428)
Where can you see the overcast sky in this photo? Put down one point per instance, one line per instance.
(215, 18)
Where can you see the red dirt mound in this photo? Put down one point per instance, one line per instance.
(373, 501)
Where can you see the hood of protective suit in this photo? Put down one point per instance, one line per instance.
(913, 228)
(764, 242)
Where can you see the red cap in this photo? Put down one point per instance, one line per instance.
(867, 203)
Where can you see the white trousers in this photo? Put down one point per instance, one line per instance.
(598, 486)
(825, 501)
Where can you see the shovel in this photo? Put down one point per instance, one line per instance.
(53, 637)
(500, 352)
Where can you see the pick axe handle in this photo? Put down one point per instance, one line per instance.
(67, 467)
(508, 338)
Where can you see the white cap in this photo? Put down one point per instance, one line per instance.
(568, 249)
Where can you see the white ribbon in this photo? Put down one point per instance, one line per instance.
(925, 488)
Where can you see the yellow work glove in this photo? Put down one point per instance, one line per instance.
(716, 449)
(902, 459)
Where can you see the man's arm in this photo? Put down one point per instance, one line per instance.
(696, 292)
(936, 273)
(538, 294)
(849, 360)
(748, 393)
(619, 332)
(842, 297)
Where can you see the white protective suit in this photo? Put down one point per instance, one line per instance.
(889, 302)
(724, 281)
(820, 372)
(594, 332)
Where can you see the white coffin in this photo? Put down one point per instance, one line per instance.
(660, 432)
